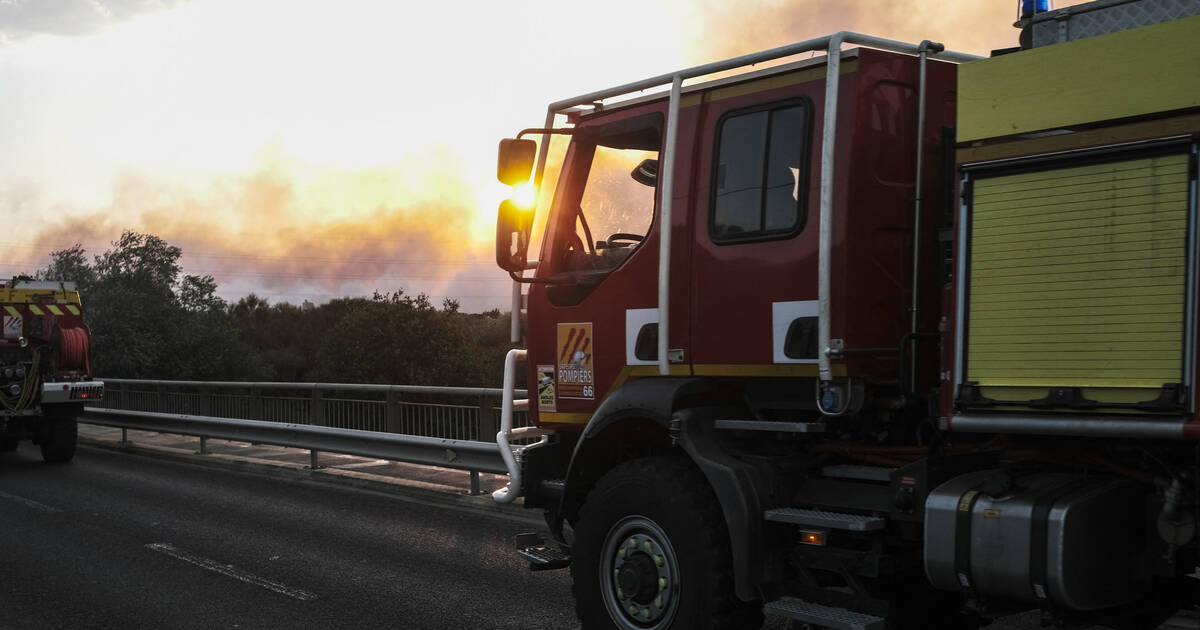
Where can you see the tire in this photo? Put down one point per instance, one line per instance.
(654, 528)
(58, 441)
(8, 444)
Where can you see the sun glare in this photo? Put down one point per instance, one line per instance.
(524, 195)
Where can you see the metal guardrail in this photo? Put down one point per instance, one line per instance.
(457, 413)
(458, 454)
(433, 426)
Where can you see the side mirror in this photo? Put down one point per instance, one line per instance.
(515, 162)
(512, 236)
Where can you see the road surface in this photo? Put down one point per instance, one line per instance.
(123, 540)
(117, 540)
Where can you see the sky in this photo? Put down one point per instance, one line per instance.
(309, 150)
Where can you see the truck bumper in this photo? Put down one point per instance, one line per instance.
(72, 392)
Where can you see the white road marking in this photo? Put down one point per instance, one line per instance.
(42, 507)
(229, 570)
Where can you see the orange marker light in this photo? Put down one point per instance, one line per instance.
(813, 537)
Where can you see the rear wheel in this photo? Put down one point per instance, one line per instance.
(651, 552)
(58, 439)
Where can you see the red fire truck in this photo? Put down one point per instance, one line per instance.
(892, 337)
(45, 366)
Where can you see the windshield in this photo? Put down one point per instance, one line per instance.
(617, 205)
(608, 197)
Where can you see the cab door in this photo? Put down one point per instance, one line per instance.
(598, 263)
(754, 297)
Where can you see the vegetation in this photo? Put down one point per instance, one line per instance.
(150, 321)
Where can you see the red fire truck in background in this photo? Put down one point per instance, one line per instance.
(890, 338)
(45, 366)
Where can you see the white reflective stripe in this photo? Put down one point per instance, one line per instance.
(782, 316)
(635, 319)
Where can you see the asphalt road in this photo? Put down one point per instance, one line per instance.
(122, 540)
(117, 540)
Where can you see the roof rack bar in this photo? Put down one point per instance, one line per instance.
(819, 43)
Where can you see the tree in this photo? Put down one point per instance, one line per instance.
(145, 321)
(69, 265)
(148, 321)
(198, 294)
(143, 256)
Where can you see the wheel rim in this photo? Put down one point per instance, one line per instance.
(639, 575)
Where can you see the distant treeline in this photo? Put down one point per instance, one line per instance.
(150, 321)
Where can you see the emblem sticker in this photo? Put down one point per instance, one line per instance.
(575, 376)
(12, 326)
(545, 388)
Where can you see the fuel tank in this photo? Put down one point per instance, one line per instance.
(1066, 541)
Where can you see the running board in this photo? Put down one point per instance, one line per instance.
(862, 473)
(825, 616)
(772, 425)
(541, 557)
(830, 520)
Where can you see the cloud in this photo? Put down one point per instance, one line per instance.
(21, 19)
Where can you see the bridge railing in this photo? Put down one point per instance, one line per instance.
(455, 413)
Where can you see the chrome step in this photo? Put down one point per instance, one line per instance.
(828, 616)
(863, 473)
(821, 518)
(772, 425)
(541, 557)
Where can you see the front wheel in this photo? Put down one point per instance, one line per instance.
(651, 552)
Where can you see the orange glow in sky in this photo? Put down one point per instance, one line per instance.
(311, 150)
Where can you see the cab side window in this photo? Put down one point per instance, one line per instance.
(760, 175)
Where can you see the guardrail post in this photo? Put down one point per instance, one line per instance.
(313, 459)
(203, 445)
(475, 483)
(256, 404)
(316, 410)
(392, 409)
(487, 420)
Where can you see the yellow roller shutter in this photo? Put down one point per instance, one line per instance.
(1077, 279)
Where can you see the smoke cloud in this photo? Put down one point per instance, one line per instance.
(21, 19)
(723, 29)
(295, 232)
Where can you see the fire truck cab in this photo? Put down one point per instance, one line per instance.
(746, 343)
